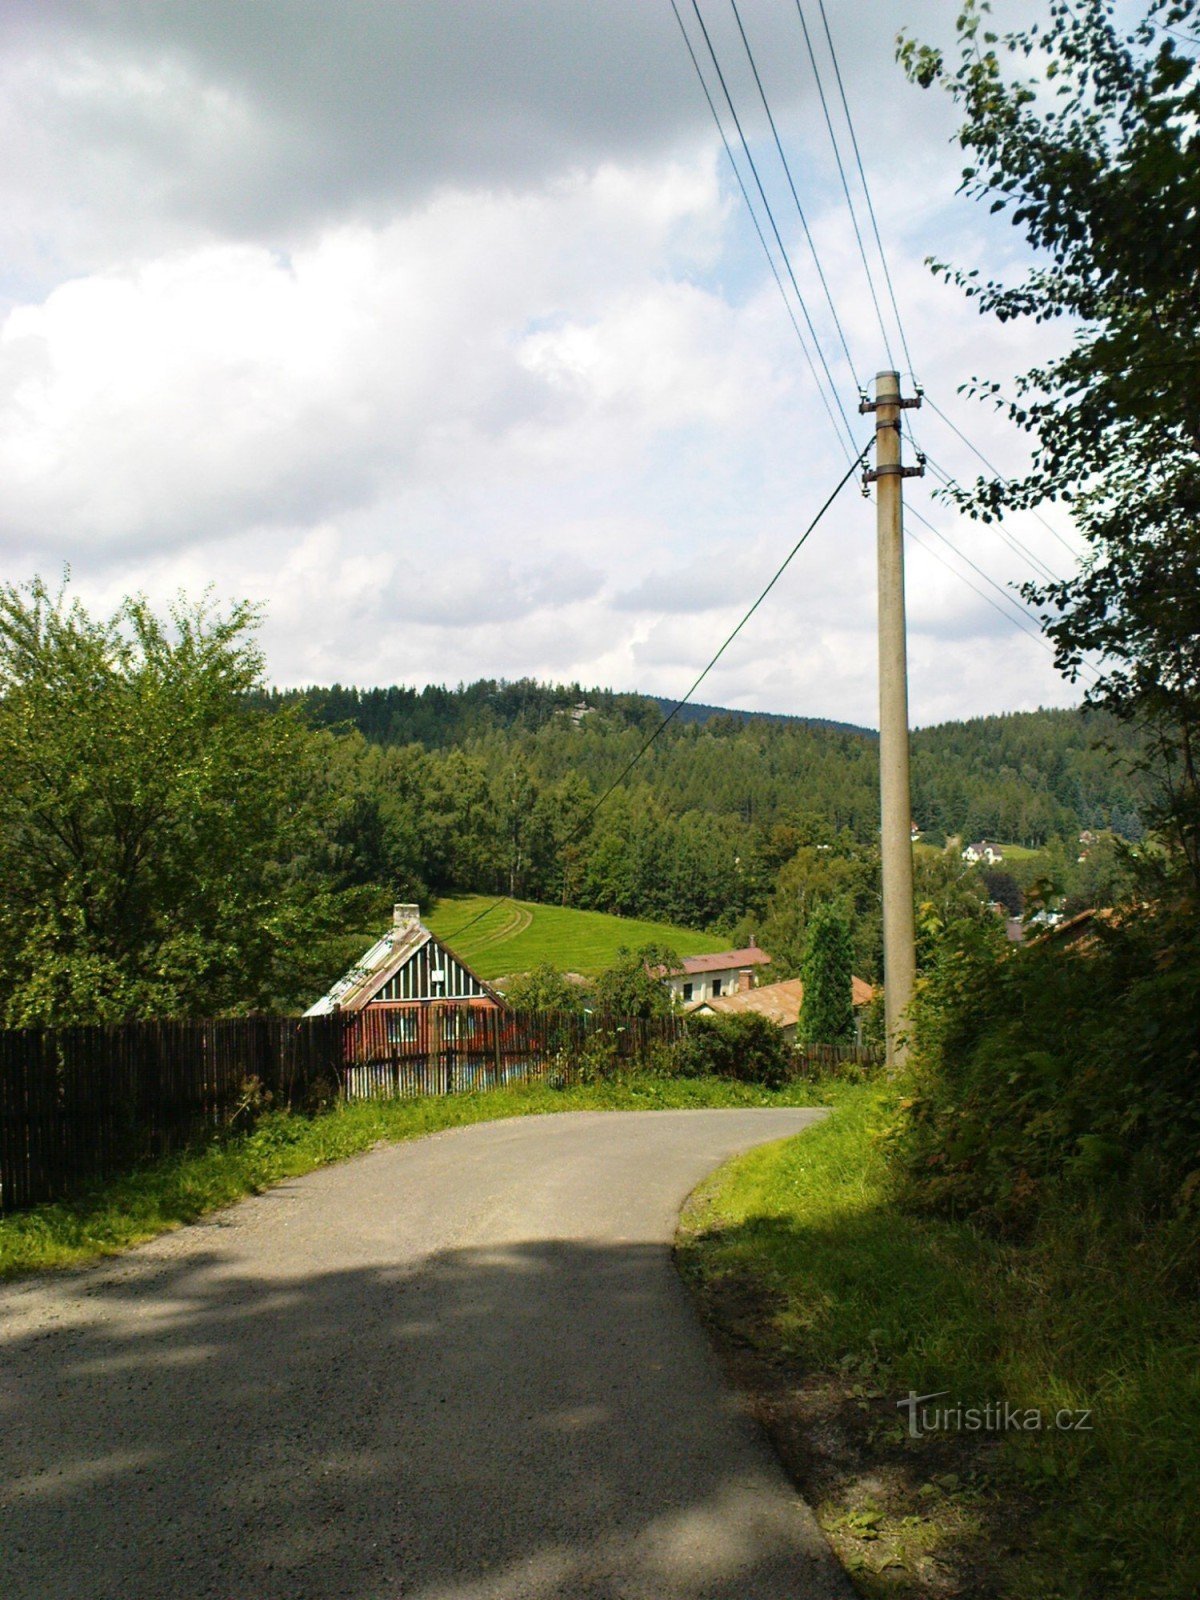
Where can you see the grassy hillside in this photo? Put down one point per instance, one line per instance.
(517, 934)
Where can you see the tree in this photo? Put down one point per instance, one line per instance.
(632, 986)
(1004, 890)
(827, 1015)
(1096, 156)
(153, 822)
(544, 988)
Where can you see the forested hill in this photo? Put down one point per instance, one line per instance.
(694, 712)
(1023, 777)
(437, 717)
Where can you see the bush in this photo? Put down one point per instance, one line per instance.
(1053, 1068)
(545, 988)
(631, 988)
(742, 1046)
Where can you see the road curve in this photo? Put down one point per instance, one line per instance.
(461, 1368)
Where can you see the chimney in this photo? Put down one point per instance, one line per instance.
(753, 942)
(405, 916)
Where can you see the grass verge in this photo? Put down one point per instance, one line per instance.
(831, 1305)
(169, 1193)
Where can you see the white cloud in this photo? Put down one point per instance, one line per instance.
(467, 365)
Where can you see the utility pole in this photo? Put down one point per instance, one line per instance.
(895, 837)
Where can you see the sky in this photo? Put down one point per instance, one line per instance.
(440, 329)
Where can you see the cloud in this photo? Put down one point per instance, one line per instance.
(440, 329)
(230, 385)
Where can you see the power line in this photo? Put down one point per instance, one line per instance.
(1018, 620)
(787, 304)
(954, 428)
(1017, 617)
(795, 196)
(679, 704)
(887, 276)
(771, 217)
(954, 572)
(1011, 539)
(837, 156)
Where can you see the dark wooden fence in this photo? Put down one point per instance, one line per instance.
(838, 1060)
(79, 1104)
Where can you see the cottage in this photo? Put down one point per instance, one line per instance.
(780, 1003)
(708, 977)
(983, 851)
(406, 974)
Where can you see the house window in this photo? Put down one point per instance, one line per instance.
(687, 991)
(716, 987)
(402, 1027)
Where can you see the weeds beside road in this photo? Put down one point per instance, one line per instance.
(833, 1305)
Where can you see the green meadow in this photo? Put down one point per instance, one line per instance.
(515, 935)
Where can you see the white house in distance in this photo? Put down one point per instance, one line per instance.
(708, 977)
(983, 851)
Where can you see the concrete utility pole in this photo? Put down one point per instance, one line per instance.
(895, 838)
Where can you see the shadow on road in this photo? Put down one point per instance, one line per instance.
(506, 1422)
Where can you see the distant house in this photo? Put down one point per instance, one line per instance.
(709, 977)
(406, 976)
(983, 851)
(780, 1003)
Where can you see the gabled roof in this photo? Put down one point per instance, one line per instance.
(375, 970)
(722, 961)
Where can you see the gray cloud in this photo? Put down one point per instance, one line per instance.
(265, 119)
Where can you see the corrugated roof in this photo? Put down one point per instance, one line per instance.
(781, 1002)
(380, 964)
(370, 974)
(752, 956)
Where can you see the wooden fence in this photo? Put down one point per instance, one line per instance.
(402, 1050)
(838, 1060)
(79, 1104)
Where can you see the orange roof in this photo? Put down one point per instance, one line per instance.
(781, 1002)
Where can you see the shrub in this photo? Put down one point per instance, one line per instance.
(1051, 1067)
(545, 988)
(741, 1046)
(629, 988)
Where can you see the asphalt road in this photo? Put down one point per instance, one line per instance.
(456, 1369)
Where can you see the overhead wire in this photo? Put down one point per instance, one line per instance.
(782, 247)
(1010, 538)
(962, 577)
(1016, 614)
(837, 322)
(666, 721)
(887, 276)
(1016, 617)
(787, 304)
(974, 448)
(837, 156)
